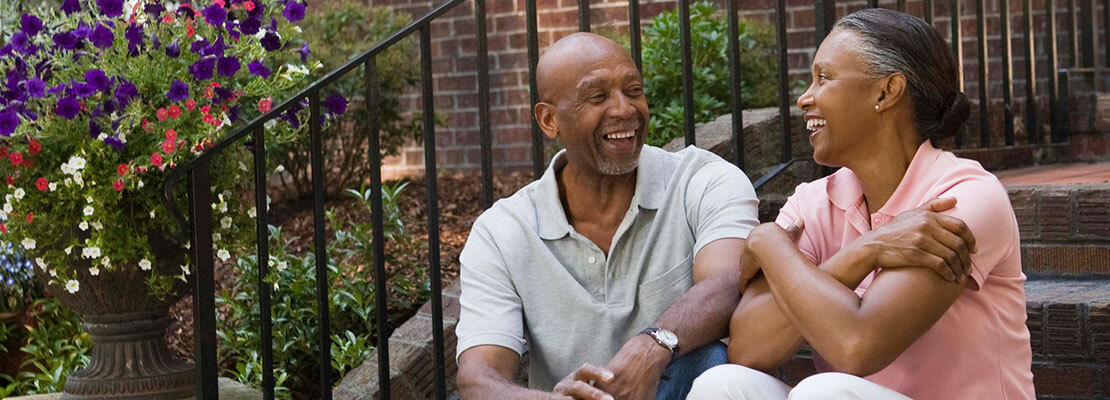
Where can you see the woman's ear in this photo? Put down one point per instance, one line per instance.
(891, 89)
(545, 117)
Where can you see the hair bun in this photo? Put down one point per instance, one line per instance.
(952, 116)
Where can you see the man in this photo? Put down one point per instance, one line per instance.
(621, 260)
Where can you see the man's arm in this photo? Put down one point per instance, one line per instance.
(486, 372)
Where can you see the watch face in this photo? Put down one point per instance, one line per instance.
(668, 338)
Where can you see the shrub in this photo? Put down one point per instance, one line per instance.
(55, 346)
(295, 320)
(662, 64)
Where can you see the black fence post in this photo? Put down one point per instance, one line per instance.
(484, 134)
(1032, 126)
(784, 79)
(737, 101)
(377, 220)
(204, 298)
(687, 72)
(583, 15)
(266, 337)
(533, 59)
(984, 78)
(634, 33)
(433, 209)
(1007, 71)
(319, 189)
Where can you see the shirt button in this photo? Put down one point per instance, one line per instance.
(592, 259)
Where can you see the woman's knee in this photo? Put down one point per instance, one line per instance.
(828, 386)
(736, 382)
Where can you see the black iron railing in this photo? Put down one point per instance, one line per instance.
(198, 228)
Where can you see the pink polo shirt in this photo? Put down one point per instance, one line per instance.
(979, 349)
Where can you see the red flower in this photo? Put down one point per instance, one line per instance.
(168, 18)
(167, 146)
(4, 152)
(249, 5)
(171, 134)
(162, 114)
(190, 104)
(30, 216)
(156, 159)
(214, 84)
(16, 158)
(3, 229)
(265, 104)
(28, 163)
(122, 169)
(146, 126)
(10, 180)
(175, 111)
(117, 185)
(205, 109)
(220, 2)
(189, 31)
(42, 184)
(209, 93)
(34, 147)
(209, 119)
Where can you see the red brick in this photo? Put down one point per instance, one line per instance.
(804, 18)
(414, 157)
(442, 65)
(444, 101)
(1023, 202)
(465, 26)
(470, 137)
(500, 7)
(467, 119)
(1063, 381)
(557, 19)
(513, 60)
(504, 116)
(467, 82)
(1093, 213)
(467, 63)
(1054, 213)
(466, 101)
(510, 136)
(509, 23)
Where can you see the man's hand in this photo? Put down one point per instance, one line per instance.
(637, 368)
(749, 265)
(923, 238)
(579, 384)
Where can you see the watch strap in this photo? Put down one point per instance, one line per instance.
(653, 333)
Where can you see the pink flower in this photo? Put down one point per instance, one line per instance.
(249, 5)
(42, 184)
(205, 109)
(156, 159)
(220, 2)
(167, 146)
(265, 104)
(122, 169)
(162, 114)
(171, 134)
(117, 185)
(30, 216)
(174, 111)
(3, 229)
(16, 158)
(190, 104)
(209, 119)
(146, 125)
(168, 18)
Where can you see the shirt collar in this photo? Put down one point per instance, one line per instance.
(553, 223)
(845, 192)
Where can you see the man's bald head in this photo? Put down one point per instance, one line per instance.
(565, 61)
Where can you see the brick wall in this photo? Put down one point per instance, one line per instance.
(454, 63)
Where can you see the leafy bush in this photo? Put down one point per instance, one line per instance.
(295, 320)
(55, 346)
(336, 31)
(662, 63)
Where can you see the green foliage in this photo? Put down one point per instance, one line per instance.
(662, 63)
(294, 315)
(335, 32)
(55, 346)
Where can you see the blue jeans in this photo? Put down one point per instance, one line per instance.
(683, 370)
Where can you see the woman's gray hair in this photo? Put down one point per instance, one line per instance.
(893, 42)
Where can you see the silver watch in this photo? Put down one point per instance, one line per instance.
(665, 338)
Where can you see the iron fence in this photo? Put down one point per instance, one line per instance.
(198, 228)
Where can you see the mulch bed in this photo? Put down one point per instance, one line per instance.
(460, 203)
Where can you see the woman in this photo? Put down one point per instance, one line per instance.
(952, 324)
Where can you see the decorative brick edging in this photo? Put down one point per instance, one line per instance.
(1065, 229)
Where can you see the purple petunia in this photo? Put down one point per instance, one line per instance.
(83, 89)
(94, 129)
(30, 24)
(215, 49)
(56, 89)
(258, 68)
(102, 37)
(178, 91)
(304, 52)
(98, 79)
(36, 87)
(8, 122)
(199, 46)
(110, 8)
(115, 143)
(21, 42)
(202, 69)
(68, 108)
(294, 11)
(71, 6)
(250, 26)
(271, 41)
(227, 66)
(336, 104)
(83, 31)
(65, 40)
(125, 92)
(215, 14)
(134, 36)
(173, 50)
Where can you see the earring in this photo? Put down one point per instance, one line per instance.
(876, 107)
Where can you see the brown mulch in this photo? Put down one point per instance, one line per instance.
(460, 203)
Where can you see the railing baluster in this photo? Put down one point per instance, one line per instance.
(825, 17)
(1090, 26)
(320, 241)
(377, 219)
(1053, 67)
(872, 3)
(262, 232)
(1007, 71)
(1073, 35)
(204, 299)
(583, 15)
(485, 137)
(1061, 132)
(784, 79)
(958, 49)
(534, 96)
(737, 101)
(634, 33)
(1032, 126)
(984, 79)
(902, 5)
(687, 71)
(1106, 30)
(928, 12)
(433, 209)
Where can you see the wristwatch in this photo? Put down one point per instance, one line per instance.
(665, 338)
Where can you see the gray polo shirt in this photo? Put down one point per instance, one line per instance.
(530, 282)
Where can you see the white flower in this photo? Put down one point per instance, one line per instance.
(271, 123)
(88, 199)
(3, 214)
(41, 263)
(188, 245)
(223, 254)
(67, 169)
(84, 225)
(53, 186)
(8, 207)
(72, 286)
(275, 286)
(223, 207)
(78, 180)
(141, 184)
(216, 237)
(102, 136)
(29, 243)
(105, 261)
(297, 29)
(69, 250)
(279, 169)
(97, 226)
(243, 166)
(90, 252)
(144, 264)
(185, 269)
(182, 278)
(89, 210)
(94, 271)
(19, 193)
(282, 265)
(151, 214)
(253, 212)
(76, 162)
(225, 222)
(122, 137)
(53, 273)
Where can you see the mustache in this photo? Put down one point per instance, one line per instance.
(622, 125)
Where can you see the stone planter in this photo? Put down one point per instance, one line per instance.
(129, 357)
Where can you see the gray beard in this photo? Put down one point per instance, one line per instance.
(611, 168)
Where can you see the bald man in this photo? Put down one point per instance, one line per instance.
(617, 269)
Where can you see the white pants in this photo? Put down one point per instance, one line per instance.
(737, 382)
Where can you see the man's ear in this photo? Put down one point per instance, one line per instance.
(545, 116)
(891, 90)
